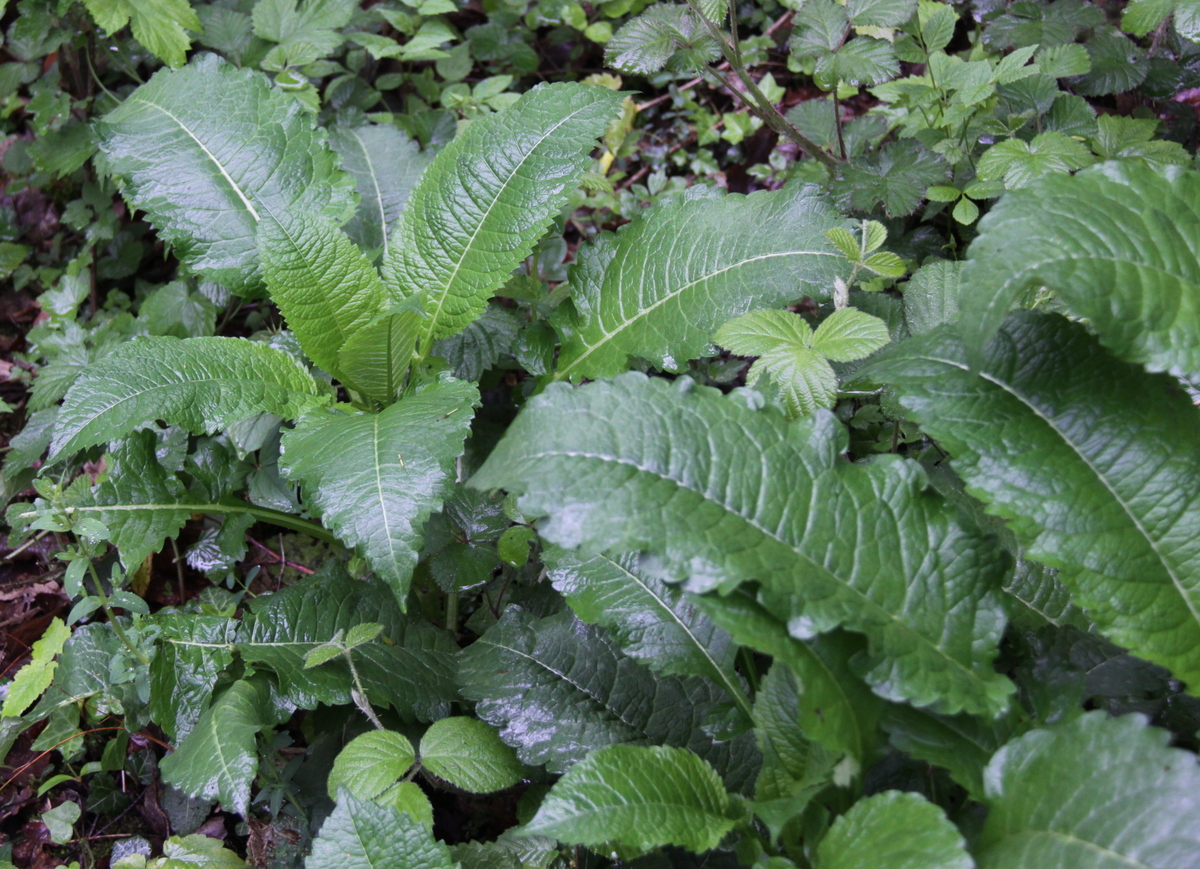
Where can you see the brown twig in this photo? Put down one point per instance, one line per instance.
(279, 559)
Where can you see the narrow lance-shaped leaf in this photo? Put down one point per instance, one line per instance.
(201, 384)
(210, 150)
(35, 677)
(728, 494)
(1099, 792)
(375, 358)
(488, 196)
(1092, 461)
(664, 283)
(654, 622)
(638, 797)
(324, 286)
(375, 477)
(1118, 246)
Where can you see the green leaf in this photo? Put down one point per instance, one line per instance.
(192, 150)
(894, 829)
(1099, 792)
(83, 672)
(1117, 65)
(371, 763)
(863, 60)
(219, 758)
(1060, 61)
(662, 284)
(324, 286)
(201, 384)
(181, 852)
(386, 165)
(654, 622)
(1142, 16)
(374, 478)
(663, 36)
(850, 334)
(896, 178)
(1018, 163)
(189, 655)
(831, 542)
(637, 797)
(1133, 138)
(793, 767)
(487, 198)
(931, 296)
(478, 347)
(377, 356)
(961, 744)
(34, 678)
(1032, 432)
(412, 668)
(469, 754)
(557, 689)
(159, 25)
(880, 13)
(1115, 243)
(305, 29)
(365, 835)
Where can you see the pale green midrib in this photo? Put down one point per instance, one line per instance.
(343, 336)
(383, 512)
(734, 690)
(769, 535)
(605, 337)
(378, 192)
(1126, 508)
(580, 688)
(445, 290)
(1075, 840)
(211, 156)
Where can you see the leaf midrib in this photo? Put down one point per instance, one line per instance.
(1125, 507)
(1075, 840)
(374, 183)
(769, 535)
(607, 336)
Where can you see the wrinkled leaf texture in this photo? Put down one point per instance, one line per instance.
(728, 494)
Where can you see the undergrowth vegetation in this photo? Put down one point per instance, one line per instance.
(527, 434)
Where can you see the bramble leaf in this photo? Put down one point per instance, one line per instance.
(637, 463)
(159, 25)
(1078, 451)
(364, 835)
(894, 829)
(371, 763)
(469, 754)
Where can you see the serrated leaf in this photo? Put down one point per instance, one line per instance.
(846, 243)
(488, 196)
(558, 688)
(190, 653)
(219, 758)
(365, 835)
(1117, 65)
(895, 178)
(386, 165)
(201, 384)
(931, 296)
(377, 356)
(894, 829)
(34, 678)
(662, 284)
(1116, 244)
(850, 334)
(637, 797)
(324, 285)
(1019, 163)
(1034, 440)
(375, 477)
(305, 29)
(479, 346)
(371, 763)
(651, 41)
(83, 672)
(470, 755)
(1060, 61)
(159, 25)
(412, 669)
(192, 150)
(831, 543)
(1100, 791)
(880, 13)
(960, 744)
(863, 60)
(793, 767)
(653, 621)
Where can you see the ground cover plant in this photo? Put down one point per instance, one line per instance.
(560, 435)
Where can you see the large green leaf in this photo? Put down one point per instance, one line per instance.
(202, 384)
(410, 667)
(324, 285)
(1118, 246)
(469, 754)
(1092, 461)
(654, 622)
(375, 359)
(897, 830)
(960, 744)
(374, 478)
(219, 758)
(728, 494)
(662, 284)
(1099, 792)
(488, 196)
(189, 655)
(558, 688)
(385, 164)
(638, 797)
(210, 150)
(364, 835)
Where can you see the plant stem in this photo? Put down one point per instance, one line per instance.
(112, 619)
(359, 694)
